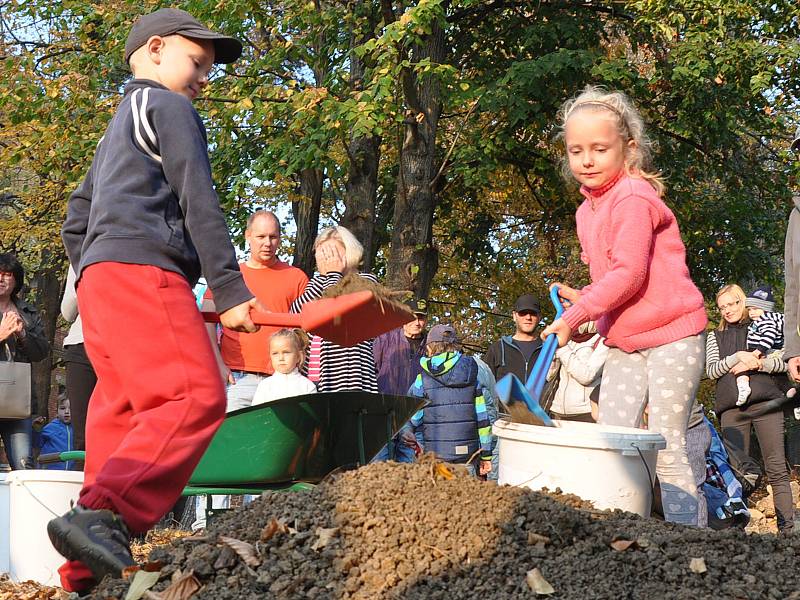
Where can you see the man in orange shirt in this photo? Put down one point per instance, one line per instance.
(244, 358)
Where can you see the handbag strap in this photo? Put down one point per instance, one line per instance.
(9, 353)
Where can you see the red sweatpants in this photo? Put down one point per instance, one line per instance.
(159, 397)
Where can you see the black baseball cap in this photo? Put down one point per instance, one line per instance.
(527, 302)
(418, 306)
(171, 21)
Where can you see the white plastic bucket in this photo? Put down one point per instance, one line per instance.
(613, 467)
(4, 524)
(35, 497)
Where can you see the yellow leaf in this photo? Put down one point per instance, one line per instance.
(443, 471)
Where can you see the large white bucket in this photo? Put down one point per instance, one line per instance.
(4, 524)
(613, 467)
(33, 498)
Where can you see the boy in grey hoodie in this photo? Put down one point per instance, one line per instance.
(139, 230)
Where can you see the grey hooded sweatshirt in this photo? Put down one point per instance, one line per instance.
(148, 197)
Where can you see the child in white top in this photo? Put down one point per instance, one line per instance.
(287, 349)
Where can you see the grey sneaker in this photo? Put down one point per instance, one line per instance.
(97, 538)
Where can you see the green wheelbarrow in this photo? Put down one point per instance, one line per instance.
(292, 443)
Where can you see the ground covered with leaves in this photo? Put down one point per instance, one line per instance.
(425, 531)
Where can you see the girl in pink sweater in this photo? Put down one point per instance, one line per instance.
(641, 294)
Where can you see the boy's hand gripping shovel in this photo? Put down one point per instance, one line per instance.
(345, 320)
(523, 400)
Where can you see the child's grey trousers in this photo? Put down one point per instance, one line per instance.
(665, 379)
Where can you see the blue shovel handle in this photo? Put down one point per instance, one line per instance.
(538, 376)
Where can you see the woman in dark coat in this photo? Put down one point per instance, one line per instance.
(726, 357)
(21, 337)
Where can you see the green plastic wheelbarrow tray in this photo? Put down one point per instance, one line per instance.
(303, 438)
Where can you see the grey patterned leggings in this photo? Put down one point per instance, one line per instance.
(666, 377)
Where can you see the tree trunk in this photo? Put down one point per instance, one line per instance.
(47, 300)
(362, 174)
(306, 216)
(413, 260)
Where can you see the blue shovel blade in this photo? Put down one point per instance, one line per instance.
(510, 389)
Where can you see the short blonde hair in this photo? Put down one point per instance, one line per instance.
(353, 250)
(630, 126)
(739, 294)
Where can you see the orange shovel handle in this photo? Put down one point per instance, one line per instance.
(262, 318)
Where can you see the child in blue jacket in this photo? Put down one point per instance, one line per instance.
(57, 436)
(455, 424)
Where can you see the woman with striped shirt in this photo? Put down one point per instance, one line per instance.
(332, 367)
(726, 357)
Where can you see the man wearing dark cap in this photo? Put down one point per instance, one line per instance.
(397, 354)
(517, 353)
(139, 229)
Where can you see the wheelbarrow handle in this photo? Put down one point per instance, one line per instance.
(262, 318)
(55, 457)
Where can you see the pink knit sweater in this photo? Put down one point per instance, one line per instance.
(641, 293)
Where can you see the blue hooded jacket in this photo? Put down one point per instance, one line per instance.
(455, 423)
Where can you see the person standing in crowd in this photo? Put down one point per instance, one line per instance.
(80, 374)
(764, 335)
(57, 435)
(641, 294)
(517, 353)
(397, 355)
(22, 339)
(397, 352)
(580, 364)
(726, 357)
(287, 350)
(455, 423)
(140, 228)
(244, 357)
(332, 367)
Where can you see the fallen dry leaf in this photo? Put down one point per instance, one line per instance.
(538, 583)
(324, 536)
(622, 545)
(273, 528)
(443, 471)
(130, 572)
(697, 565)
(246, 552)
(537, 538)
(183, 586)
(141, 582)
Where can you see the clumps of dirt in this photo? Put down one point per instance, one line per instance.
(430, 531)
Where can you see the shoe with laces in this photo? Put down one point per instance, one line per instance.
(97, 538)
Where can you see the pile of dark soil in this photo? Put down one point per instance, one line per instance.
(423, 531)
